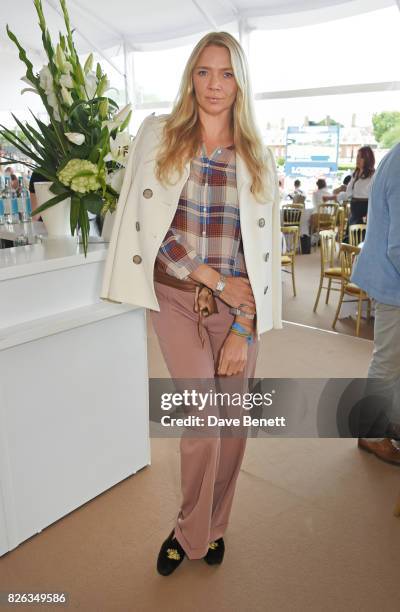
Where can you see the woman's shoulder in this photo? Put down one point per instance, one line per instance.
(149, 133)
(154, 121)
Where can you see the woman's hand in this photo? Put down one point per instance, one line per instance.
(237, 288)
(238, 291)
(233, 356)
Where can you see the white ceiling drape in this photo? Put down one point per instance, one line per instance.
(142, 26)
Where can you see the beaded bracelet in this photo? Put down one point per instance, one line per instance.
(239, 330)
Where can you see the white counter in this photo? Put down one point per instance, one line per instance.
(13, 230)
(73, 386)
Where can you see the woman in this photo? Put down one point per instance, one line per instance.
(359, 187)
(199, 214)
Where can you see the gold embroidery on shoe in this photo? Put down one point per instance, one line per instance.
(213, 545)
(172, 553)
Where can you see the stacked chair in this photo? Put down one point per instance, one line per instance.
(347, 254)
(327, 216)
(329, 272)
(357, 233)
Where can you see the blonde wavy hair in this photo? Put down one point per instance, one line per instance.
(181, 135)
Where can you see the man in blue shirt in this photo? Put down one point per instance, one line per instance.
(377, 271)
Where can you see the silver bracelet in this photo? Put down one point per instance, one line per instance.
(241, 313)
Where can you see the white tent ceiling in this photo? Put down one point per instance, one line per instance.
(152, 24)
(144, 25)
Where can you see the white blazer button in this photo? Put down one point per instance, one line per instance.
(261, 222)
(266, 256)
(266, 289)
(137, 259)
(148, 193)
(137, 225)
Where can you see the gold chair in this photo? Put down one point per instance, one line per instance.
(357, 233)
(291, 236)
(291, 214)
(324, 219)
(328, 270)
(327, 214)
(348, 253)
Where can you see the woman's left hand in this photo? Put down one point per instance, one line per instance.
(233, 356)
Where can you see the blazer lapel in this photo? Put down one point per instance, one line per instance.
(172, 192)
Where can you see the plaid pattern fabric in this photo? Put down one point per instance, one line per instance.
(206, 225)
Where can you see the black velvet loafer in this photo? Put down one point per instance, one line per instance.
(215, 552)
(170, 556)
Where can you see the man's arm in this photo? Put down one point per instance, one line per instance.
(393, 199)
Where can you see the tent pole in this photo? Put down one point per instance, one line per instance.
(244, 36)
(127, 96)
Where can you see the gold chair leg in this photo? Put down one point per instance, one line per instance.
(318, 294)
(338, 309)
(358, 317)
(293, 280)
(329, 290)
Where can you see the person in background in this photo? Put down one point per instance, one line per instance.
(9, 171)
(282, 192)
(297, 189)
(320, 194)
(377, 271)
(360, 184)
(15, 183)
(298, 196)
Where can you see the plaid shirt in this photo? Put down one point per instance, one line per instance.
(206, 225)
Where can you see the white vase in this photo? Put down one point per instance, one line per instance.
(56, 218)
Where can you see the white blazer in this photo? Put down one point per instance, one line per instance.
(145, 212)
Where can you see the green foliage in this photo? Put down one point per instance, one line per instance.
(280, 161)
(383, 123)
(85, 126)
(18, 134)
(325, 122)
(391, 137)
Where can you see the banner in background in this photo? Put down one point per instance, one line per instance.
(312, 147)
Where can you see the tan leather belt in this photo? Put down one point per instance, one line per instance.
(204, 300)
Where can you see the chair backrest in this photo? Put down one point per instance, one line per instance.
(328, 245)
(291, 236)
(357, 233)
(348, 254)
(328, 208)
(327, 215)
(291, 215)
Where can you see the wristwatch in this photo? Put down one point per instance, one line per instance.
(220, 285)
